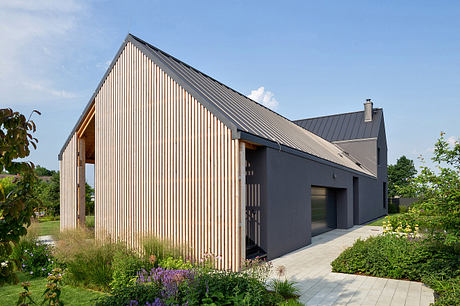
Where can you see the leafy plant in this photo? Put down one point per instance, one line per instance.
(438, 211)
(174, 263)
(126, 265)
(52, 292)
(16, 206)
(285, 288)
(25, 297)
(402, 258)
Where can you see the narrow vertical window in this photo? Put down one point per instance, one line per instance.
(378, 156)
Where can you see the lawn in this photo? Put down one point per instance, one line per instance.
(48, 228)
(70, 295)
(379, 222)
(52, 227)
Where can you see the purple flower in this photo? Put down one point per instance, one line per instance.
(23, 265)
(31, 272)
(25, 251)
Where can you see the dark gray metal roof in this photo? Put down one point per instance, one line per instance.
(345, 126)
(241, 114)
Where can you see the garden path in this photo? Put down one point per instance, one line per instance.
(310, 268)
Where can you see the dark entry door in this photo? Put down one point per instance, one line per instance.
(323, 210)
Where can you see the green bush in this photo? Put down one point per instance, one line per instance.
(402, 258)
(126, 264)
(396, 257)
(227, 288)
(143, 294)
(393, 208)
(403, 209)
(447, 289)
(175, 263)
(33, 257)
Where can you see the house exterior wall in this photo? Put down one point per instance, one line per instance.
(364, 150)
(288, 198)
(68, 186)
(164, 166)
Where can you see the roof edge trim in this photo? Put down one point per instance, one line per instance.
(274, 145)
(93, 96)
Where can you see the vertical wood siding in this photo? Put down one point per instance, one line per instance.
(68, 186)
(164, 165)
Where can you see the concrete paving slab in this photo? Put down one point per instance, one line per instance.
(310, 268)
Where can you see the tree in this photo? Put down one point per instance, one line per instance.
(399, 176)
(16, 205)
(42, 171)
(437, 213)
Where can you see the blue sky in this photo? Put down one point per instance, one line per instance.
(312, 58)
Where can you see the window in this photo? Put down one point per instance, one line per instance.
(384, 195)
(378, 156)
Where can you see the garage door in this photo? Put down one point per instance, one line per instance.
(323, 210)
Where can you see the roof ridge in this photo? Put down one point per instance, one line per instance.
(333, 115)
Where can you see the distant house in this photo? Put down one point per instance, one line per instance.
(181, 156)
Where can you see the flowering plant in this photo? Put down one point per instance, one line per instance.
(169, 281)
(25, 296)
(52, 292)
(37, 260)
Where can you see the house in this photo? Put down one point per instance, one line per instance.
(183, 157)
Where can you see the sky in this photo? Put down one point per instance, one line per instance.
(301, 58)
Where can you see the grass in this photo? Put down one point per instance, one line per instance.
(70, 295)
(48, 228)
(52, 227)
(379, 222)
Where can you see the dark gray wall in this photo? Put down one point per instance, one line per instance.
(288, 191)
(364, 150)
(286, 194)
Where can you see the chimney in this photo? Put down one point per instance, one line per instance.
(368, 110)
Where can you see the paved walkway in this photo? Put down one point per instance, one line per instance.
(310, 268)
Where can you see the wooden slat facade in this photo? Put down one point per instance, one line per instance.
(164, 165)
(68, 186)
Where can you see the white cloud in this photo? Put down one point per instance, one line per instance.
(264, 97)
(452, 140)
(33, 36)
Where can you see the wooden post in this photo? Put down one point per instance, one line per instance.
(242, 187)
(81, 203)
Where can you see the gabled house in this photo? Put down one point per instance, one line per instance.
(181, 156)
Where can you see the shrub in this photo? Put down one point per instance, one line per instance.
(199, 286)
(174, 263)
(398, 257)
(393, 208)
(126, 264)
(395, 257)
(223, 288)
(142, 294)
(33, 257)
(403, 209)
